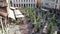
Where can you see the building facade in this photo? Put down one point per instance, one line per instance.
(3, 13)
(23, 3)
(3, 3)
(51, 3)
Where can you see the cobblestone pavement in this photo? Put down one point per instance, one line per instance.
(13, 29)
(25, 28)
(18, 29)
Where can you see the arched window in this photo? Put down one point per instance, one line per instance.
(14, 5)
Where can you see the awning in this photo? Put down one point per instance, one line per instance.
(11, 14)
(18, 14)
(12, 8)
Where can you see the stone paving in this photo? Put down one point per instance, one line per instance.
(13, 29)
(18, 29)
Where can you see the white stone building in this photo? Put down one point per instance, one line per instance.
(23, 3)
(51, 3)
(58, 4)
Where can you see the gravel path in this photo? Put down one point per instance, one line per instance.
(25, 28)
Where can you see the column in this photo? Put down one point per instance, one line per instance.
(5, 20)
(23, 5)
(30, 4)
(18, 4)
(6, 24)
(12, 4)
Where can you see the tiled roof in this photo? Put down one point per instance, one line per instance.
(3, 11)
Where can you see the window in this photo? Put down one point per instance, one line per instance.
(16, 0)
(14, 5)
(22, 5)
(11, 3)
(13, 0)
(46, 4)
(17, 5)
(34, 5)
(52, 5)
(34, 0)
(56, 1)
(29, 5)
(26, 0)
(26, 5)
(29, 0)
(59, 7)
(52, 0)
(21, 0)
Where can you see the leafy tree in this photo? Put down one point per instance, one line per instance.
(52, 24)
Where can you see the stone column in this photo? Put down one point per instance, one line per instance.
(23, 4)
(8, 4)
